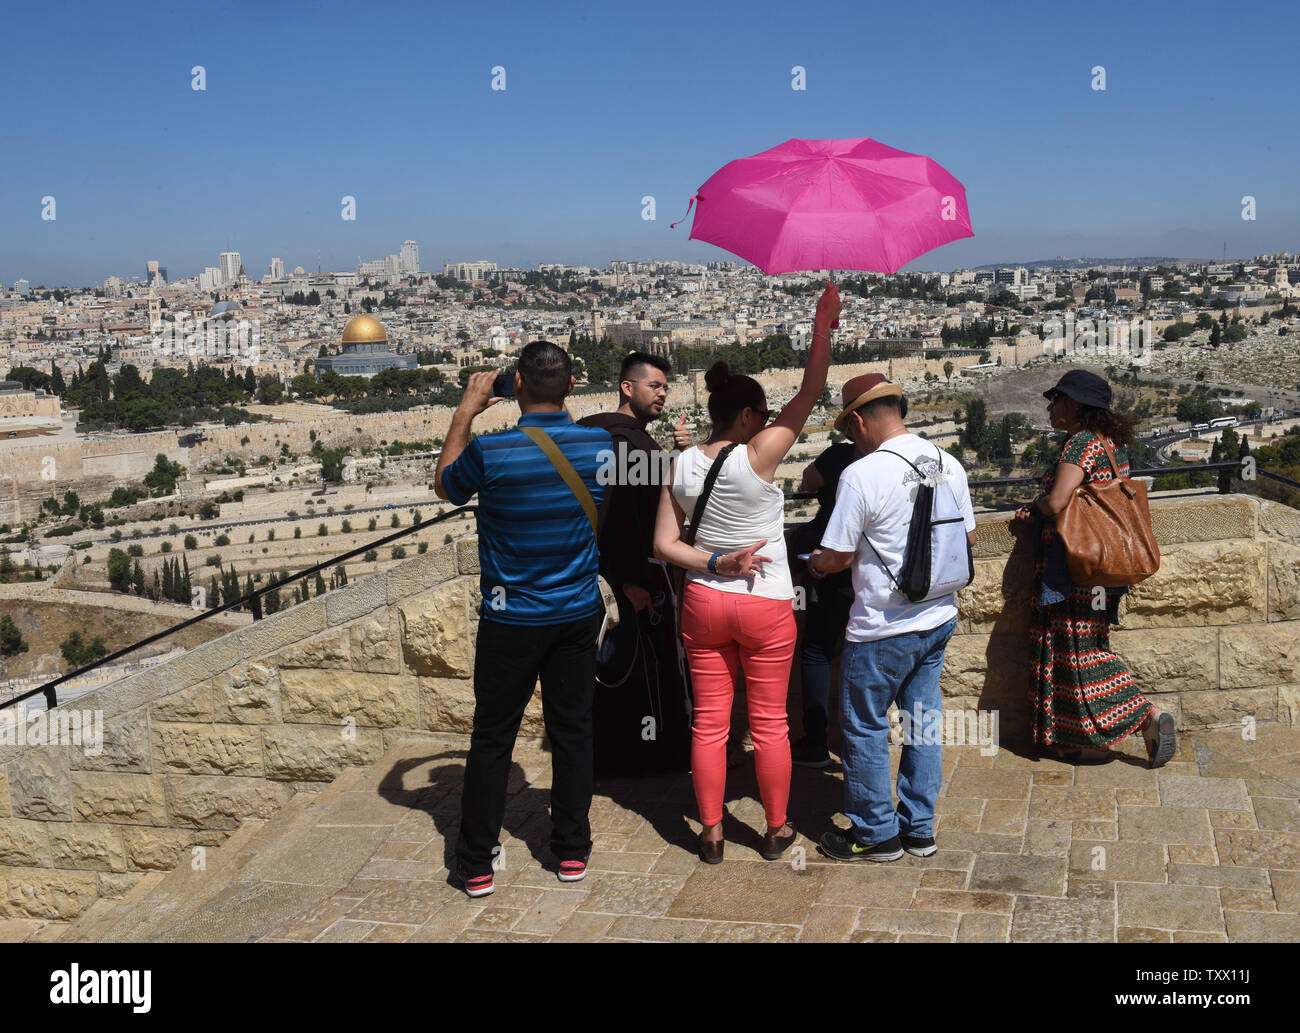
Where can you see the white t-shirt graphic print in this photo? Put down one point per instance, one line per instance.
(875, 497)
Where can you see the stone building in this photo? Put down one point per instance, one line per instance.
(365, 351)
(26, 411)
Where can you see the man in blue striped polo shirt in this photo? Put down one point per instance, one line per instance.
(541, 609)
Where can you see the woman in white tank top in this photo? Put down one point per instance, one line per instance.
(737, 609)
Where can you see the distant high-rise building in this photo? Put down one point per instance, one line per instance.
(410, 257)
(210, 278)
(154, 274)
(22, 287)
(277, 269)
(231, 264)
(113, 287)
(470, 270)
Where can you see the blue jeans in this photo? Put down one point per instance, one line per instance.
(872, 676)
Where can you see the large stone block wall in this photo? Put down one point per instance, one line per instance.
(233, 728)
(92, 468)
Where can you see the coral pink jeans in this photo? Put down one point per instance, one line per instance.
(725, 632)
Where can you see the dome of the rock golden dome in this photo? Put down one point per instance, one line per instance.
(364, 329)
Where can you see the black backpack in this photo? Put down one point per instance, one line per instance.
(932, 561)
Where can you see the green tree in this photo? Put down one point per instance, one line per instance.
(119, 570)
(78, 653)
(270, 390)
(331, 463)
(11, 640)
(1004, 439)
(161, 480)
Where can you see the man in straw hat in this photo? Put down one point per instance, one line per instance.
(894, 648)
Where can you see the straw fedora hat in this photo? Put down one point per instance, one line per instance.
(861, 390)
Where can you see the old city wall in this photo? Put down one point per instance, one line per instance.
(233, 728)
(92, 468)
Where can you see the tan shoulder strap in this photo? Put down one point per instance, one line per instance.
(565, 469)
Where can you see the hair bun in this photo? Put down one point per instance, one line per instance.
(717, 376)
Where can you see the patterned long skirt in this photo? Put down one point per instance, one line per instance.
(1083, 695)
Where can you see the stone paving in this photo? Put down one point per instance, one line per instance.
(1205, 850)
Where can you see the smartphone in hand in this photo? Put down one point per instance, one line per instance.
(504, 386)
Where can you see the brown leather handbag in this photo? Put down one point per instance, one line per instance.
(1106, 531)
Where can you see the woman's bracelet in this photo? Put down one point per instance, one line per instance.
(713, 562)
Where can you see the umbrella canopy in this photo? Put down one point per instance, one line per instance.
(831, 204)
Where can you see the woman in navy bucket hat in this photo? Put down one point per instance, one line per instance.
(1084, 699)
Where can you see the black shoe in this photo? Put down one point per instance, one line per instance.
(810, 755)
(841, 846)
(919, 846)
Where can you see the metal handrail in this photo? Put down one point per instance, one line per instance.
(1155, 471)
(253, 599)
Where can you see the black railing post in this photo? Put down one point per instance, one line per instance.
(51, 700)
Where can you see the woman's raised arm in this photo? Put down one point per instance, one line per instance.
(769, 446)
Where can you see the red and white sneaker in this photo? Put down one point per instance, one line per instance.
(573, 871)
(477, 885)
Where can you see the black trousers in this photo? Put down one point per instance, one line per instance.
(508, 660)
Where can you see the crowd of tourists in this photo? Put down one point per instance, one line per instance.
(639, 601)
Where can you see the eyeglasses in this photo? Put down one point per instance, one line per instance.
(765, 413)
(653, 385)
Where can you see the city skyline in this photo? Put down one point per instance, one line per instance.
(601, 109)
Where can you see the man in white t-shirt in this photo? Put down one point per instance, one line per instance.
(894, 648)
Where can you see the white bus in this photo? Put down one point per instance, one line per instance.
(1223, 421)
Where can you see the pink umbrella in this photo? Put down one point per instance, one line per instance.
(831, 204)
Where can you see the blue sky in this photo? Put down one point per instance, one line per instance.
(391, 103)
